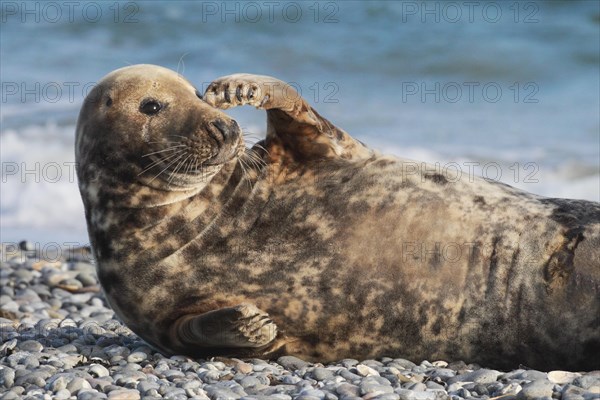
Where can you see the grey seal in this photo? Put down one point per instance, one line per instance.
(311, 244)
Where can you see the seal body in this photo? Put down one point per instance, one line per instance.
(313, 245)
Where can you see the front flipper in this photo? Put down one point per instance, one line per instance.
(243, 326)
(294, 128)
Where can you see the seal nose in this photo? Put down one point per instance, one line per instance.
(229, 131)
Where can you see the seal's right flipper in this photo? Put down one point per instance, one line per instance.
(243, 326)
(294, 127)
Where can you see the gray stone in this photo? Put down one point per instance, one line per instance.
(136, 357)
(478, 376)
(372, 388)
(115, 350)
(98, 370)
(128, 378)
(81, 298)
(311, 393)
(37, 378)
(480, 389)
(402, 363)
(588, 381)
(77, 384)
(22, 358)
(230, 386)
(145, 386)
(83, 267)
(442, 373)
(347, 389)
(31, 346)
(220, 393)
(7, 377)
(434, 386)
(511, 388)
(290, 379)
(572, 392)
(62, 394)
(251, 384)
(292, 363)
(57, 383)
(416, 387)
(71, 284)
(528, 375)
(10, 396)
(321, 374)
(462, 392)
(26, 245)
(90, 394)
(124, 394)
(540, 389)
(278, 389)
(365, 370)
(350, 376)
(87, 279)
(405, 394)
(387, 396)
(209, 376)
(175, 393)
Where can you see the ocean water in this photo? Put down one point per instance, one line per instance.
(507, 90)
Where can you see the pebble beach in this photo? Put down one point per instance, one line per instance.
(60, 340)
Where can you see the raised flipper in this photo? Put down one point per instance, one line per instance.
(294, 128)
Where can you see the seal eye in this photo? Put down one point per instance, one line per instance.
(150, 107)
(109, 102)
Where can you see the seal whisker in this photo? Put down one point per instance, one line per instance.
(245, 175)
(156, 162)
(168, 142)
(195, 163)
(174, 171)
(181, 163)
(171, 163)
(188, 164)
(261, 147)
(245, 159)
(179, 136)
(256, 160)
(252, 162)
(164, 150)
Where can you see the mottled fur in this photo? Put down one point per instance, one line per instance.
(351, 253)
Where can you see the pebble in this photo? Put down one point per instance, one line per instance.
(136, 357)
(98, 370)
(292, 363)
(243, 367)
(478, 376)
(321, 374)
(589, 382)
(124, 394)
(540, 389)
(70, 346)
(31, 346)
(562, 377)
(365, 370)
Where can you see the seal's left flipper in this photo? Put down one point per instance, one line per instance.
(242, 326)
(293, 125)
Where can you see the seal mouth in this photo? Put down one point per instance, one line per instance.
(187, 159)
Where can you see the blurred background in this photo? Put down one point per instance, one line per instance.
(507, 90)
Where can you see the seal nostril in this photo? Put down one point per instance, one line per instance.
(222, 128)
